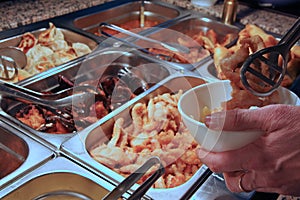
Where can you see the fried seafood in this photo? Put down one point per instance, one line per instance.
(201, 46)
(293, 68)
(229, 60)
(251, 30)
(44, 120)
(49, 49)
(156, 129)
(209, 39)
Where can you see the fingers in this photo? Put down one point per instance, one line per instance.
(235, 120)
(254, 166)
(235, 182)
(248, 181)
(227, 161)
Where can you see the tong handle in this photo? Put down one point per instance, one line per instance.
(130, 44)
(170, 46)
(25, 95)
(102, 25)
(61, 98)
(196, 185)
(134, 177)
(13, 90)
(147, 184)
(129, 33)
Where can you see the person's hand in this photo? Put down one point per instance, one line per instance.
(272, 162)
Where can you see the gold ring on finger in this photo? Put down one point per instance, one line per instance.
(242, 189)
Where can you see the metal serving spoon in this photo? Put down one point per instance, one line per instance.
(16, 54)
(175, 47)
(11, 59)
(265, 84)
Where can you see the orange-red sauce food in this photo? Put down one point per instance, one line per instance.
(130, 25)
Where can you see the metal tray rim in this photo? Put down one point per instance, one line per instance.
(33, 159)
(83, 156)
(58, 164)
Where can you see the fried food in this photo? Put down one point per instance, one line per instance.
(201, 45)
(43, 120)
(229, 60)
(49, 49)
(156, 129)
(251, 30)
(295, 52)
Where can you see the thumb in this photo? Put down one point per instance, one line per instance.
(238, 119)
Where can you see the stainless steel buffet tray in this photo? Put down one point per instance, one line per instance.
(70, 37)
(46, 170)
(156, 12)
(106, 61)
(174, 22)
(34, 154)
(188, 29)
(59, 178)
(195, 23)
(207, 70)
(79, 145)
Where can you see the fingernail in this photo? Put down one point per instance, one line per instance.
(207, 120)
(215, 121)
(212, 121)
(201, 153)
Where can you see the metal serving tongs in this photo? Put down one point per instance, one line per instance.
(134, 177)
(56, 102)
(262, 72)
(175, 47)
(122, 41)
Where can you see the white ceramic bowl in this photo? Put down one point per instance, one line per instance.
(192, 102)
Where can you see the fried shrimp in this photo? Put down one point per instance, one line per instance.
(156, 130)
(255, 43)
(228, 62)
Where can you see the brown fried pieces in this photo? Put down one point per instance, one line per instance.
(229, 60)
(201, 45)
